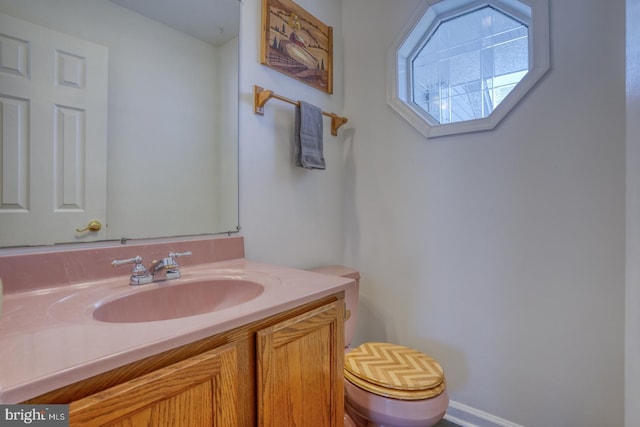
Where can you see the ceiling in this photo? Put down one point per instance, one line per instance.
(214, 21)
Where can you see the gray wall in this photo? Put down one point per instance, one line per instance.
(500, 253)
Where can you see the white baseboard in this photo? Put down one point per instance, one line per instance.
(466, 416)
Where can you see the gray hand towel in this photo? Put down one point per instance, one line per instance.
(308, 149)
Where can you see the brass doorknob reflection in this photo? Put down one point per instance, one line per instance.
(94, 225)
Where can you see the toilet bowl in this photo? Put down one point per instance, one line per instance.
(387, 385)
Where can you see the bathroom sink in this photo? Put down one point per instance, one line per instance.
(173, 300)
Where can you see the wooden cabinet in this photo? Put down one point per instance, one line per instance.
(285, 370)
(199, 391)
(300, 361)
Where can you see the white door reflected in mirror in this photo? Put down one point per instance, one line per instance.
(171, 153)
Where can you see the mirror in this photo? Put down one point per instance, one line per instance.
(170, 119)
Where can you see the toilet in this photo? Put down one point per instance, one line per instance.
(387, 385)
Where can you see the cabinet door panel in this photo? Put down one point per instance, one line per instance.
(192, 407)
(300, 365)
(200, 391)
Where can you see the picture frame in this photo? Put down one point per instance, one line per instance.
(297, 44)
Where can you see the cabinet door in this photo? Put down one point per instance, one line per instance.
(300, 361)
(200, 391)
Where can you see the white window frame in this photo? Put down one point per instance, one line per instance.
(535, 13)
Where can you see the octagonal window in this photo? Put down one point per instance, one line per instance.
(461, 65)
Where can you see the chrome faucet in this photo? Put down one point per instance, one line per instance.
(139, 274)
(167, 268)
(163, 269)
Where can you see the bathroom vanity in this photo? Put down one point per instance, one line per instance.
(274, 360)
(282, 370)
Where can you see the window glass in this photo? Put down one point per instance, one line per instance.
(469, 65)
(462, 65)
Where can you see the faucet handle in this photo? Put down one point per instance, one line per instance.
(171, 263)
(139, 274)
(179, 254)
(137, 260)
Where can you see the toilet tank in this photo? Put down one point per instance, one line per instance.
(350, 296)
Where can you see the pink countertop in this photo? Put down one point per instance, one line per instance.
(49, 339)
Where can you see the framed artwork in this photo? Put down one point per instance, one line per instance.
(297, 44)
